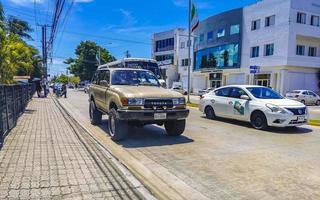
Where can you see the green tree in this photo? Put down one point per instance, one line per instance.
(2, 18)
(74, 79)
(62, 79)
(19, 27)
(86, 63)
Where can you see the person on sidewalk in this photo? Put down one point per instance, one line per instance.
(38, 88)
(64, 90)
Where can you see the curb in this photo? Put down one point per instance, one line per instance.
(193, 105)
(314, 122)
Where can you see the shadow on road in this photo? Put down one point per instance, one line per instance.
(148, 136)
(271, 130)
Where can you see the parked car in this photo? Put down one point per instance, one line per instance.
(180, 90)
(86, 88)
(306, 97)
(134, 97)
(261, 106)
(204, 91)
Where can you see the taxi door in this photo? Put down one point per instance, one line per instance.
(237, 108)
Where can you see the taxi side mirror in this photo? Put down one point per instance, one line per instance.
(245, 97)
(104, 83)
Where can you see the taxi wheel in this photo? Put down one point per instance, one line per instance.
(95, 114)
(209, 112)
(259, 121)
(318, 103)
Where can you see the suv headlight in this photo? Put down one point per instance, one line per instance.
(135, 102)
(276, 109)
(179, 101)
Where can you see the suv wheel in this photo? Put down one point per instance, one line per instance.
(318, 103)
(259, 121)
(117, 128)
(209, 112)
(303, 102)
(175, 128)
(95, 114)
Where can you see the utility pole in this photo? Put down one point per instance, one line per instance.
(44, 50)
(189, 52)
(127, 54)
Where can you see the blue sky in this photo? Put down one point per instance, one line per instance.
(117, 25)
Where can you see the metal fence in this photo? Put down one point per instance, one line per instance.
(13, 101)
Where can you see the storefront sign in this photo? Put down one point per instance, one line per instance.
(254, 69)
(164, 62)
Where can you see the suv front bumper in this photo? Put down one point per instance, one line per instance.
(148, 115)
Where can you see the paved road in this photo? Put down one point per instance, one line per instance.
(229, 160)
(44, 157)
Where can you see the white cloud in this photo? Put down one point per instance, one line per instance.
(128, 18)
(25, 2)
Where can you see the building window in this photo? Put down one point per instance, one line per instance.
(221, 33)
(255, 25)
(269, 49)
(312, 51)
(201, 39)
(182, 45)
(210, 36)
(270, 21)
(219, 57)
(165, 45)
(235, 29)
(301, 18)
(184, 62)
(315, 20)
(254, 52)
(300, 50)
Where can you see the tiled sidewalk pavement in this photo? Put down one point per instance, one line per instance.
(43, 158)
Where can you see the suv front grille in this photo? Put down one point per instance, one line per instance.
(158, 103)
(297, 111)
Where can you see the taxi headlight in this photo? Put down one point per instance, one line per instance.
(135, 101)
(179, 101)
(276, 109)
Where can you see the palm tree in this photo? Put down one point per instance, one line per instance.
(19, 27)
(1, 16)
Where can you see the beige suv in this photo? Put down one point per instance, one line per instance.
(133, 97)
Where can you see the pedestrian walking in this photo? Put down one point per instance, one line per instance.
(64, 90)
(38, 88)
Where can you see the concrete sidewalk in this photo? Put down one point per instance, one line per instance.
(43, 157)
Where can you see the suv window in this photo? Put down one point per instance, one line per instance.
(305, 93)
(104, 75)
(224, 92)
(236, 93)
(95, 78)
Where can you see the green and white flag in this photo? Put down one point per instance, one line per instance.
(194, 18)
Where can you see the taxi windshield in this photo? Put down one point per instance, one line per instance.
(264, 93)
(134, 77)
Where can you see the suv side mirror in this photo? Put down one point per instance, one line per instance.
(104, 83)
(245, 97)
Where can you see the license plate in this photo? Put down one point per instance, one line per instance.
(301, 118)
(159, 116)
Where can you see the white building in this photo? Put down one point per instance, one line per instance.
(282, 37)
(171, 52)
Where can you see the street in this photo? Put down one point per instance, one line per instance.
(225, 159)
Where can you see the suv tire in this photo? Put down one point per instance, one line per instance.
(95, 114)
(318, 103)
(259, 121)
(118, 129)
(303, 102)
(175, 128)
(209, 112)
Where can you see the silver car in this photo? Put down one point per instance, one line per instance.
(306, 97)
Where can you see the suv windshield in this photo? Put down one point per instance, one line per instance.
(134, 77)
(264, 93)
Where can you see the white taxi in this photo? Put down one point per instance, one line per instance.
(261, 106)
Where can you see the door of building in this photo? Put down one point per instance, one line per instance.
(263, 80)
(215, 80)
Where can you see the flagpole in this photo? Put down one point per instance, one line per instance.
(189, 52)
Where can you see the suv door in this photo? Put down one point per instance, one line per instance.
(101, 89)
(221, 101)
(237, 108)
